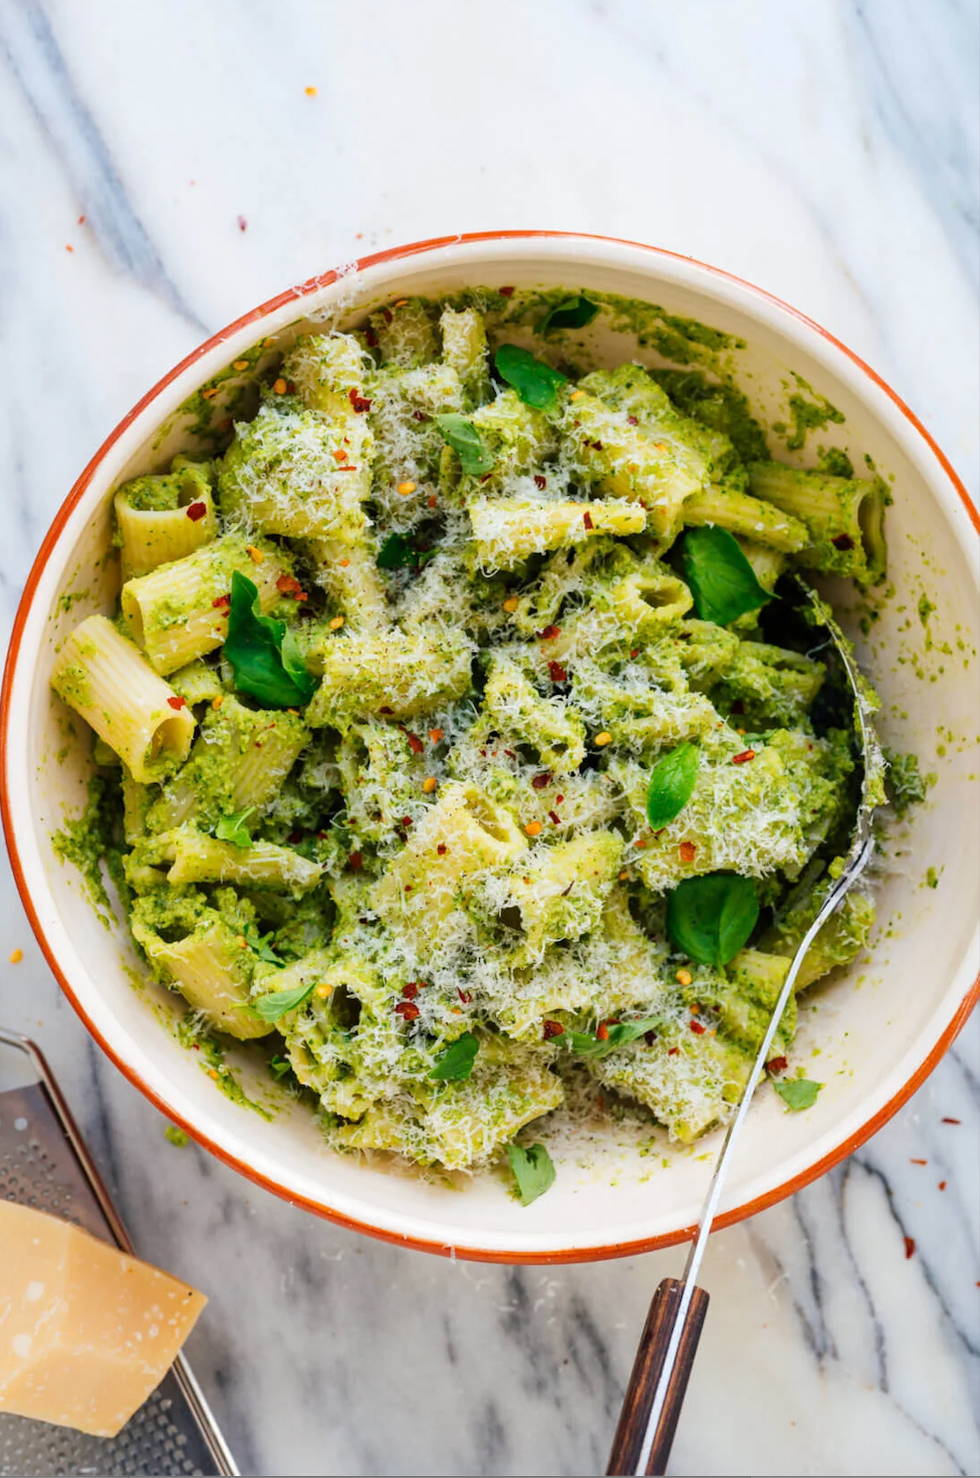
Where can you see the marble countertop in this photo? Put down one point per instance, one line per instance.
(167, 167)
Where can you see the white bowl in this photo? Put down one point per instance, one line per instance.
(879, 1028)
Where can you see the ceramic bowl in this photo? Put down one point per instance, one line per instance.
(878, 1028)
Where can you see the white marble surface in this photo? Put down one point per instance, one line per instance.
(826, 151)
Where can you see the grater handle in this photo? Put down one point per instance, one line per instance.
(628, 1443)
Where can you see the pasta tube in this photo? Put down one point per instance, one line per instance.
(105, 679)
(844, 516)
(180, 611)
(160, 519)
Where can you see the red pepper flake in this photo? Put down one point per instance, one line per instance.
(410, 991)
(553, 1029)
(358, 401)
(558, 798)
(942, 1185)
(686, 851)
(634, 652)
(222, 602)
(565, 891)
(952, 1121)
(196, 511)
(918, 1162)
(81, 220)
(370, 338)
(540, 482)
(388, 315)
(557, 673)
(632, 421)
(697, 1028)
(407, 1010)
(587, 519)
(554, 818)
(672, 1051)
(289, 585)
(842, 541)
(596, 444)
(738, 707)
(909, 1246)
(505, 292)
(414, 743)
(464, 996)
(355, 861)
(777, 1065)
(744, 757)
(510, 754)
(419, 416)
(549, 633)
(406, 821)
(296, 836)
(540, 781)
(602, 1032)
(386, 710)
(242, 223)
(177, 703)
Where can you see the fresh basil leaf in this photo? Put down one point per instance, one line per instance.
(672, 784)
(585, 1044)
(711, 917)
(233, 829)
(294, 663)
(798, 1093)
(535, 382)
(474, 456)
(253, 647)
(573, 312)
(395, 552)
(260, 944)
(456, 1063)
(722, 581)
(532, 1169)
(279, 1002)
(280, 1066)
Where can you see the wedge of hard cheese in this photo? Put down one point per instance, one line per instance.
(86, 1331)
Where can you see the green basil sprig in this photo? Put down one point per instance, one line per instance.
(672, 784)
(710, 918)
(798, 1093)
(233, 828)
(536, 383)
(532, 1169)
(575, 312)
(722, 581)
(259, 944)
(397, 552)
(475, 457)
(263, 653)
(585, 1044)
(456, 1063)
(279, 1002)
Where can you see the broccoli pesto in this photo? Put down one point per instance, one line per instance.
(457, 742)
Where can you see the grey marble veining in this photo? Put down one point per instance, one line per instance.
(828, 152)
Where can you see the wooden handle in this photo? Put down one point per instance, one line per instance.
(647, 1367)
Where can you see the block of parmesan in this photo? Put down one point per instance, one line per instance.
(86, 1331)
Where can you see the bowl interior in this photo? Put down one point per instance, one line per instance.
(864, 1033)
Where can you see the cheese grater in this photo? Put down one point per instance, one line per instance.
(44, 1164)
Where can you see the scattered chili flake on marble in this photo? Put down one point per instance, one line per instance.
(909, 1246)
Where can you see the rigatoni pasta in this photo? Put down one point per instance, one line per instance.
(487, 700)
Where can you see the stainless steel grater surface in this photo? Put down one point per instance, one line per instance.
(44, 1163)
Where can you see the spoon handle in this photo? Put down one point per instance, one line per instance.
(647, 1368)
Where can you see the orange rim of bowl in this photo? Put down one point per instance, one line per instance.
(476, 1254)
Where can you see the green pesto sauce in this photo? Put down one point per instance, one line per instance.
(176, 1136)
(932, 878)
(192, 1035)
(835, 462)
(806, 415)
(86, 841)
(721, 407)
(70, 598)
